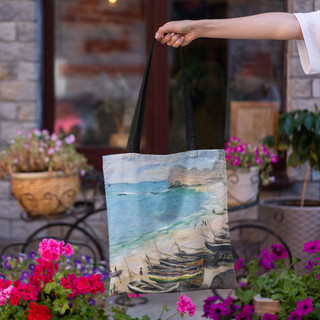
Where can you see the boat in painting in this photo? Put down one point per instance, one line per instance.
(174, 277)
(141, 286)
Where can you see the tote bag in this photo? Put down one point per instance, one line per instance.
(167, 214)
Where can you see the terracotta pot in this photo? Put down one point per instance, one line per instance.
(44, 193)
(265, 305)
(243, 186)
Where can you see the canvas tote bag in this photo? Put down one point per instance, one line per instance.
(167, 214)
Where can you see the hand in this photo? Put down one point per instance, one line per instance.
(179, 33)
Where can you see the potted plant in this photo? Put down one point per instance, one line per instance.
(246, 166)
(298, 132)
(276, 289)
(44, 171)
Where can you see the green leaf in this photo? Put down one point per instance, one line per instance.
(269, 141)
(318, 125)
(301, 117)
(277, 296)
(287, 284)
(316, 107)
(248, 296)
(289, 125)
(293, 159)
(49, 287)
(145, 318)
(60, 305)
(283, 146)
(310, 121)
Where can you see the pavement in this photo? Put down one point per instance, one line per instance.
(155, 302)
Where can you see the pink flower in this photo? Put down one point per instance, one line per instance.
(41, 149)
(234, 139)
(239, 264)
(239, 148)
(242, 284)
(58, 143)
(304, 307)
(278, 252)
(184, 305)
(228, 150)
(274, 158)
(318, 277)
(312, 247)
(70, 139)
(294, 316)
(54, 137)
(82, 173)
(26, 145)
(258, 160)
(268, 316)
(235, 162)
(19, 132)
(45, 132)
(50, 150)
(256, 151)
(69, 250)
(28, 135)
(37, 132)
(228, 157)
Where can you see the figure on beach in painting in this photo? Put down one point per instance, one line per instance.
(164, 233)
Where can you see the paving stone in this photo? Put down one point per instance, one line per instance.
(18, 90)
(13, 51)
(8, 31)
(26, 31)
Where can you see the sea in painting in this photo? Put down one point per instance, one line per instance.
(168, 222)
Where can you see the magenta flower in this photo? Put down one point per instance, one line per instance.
(304, 307)
(312, 263)
(294, 316)
(245, 313)
(228, 157)
(234, 139)
(267, 260)
(185, 305)
(318, 277)
(235, 162)
(207, 303)
(242, 284)
(50, 150)
(228, 150)
(311, 247)
(268, 316)
(58, 143)
(239, 264)
(274, 158)
(258, 160)
(135, 295)
(217, 310)
(278, 252)
(239, 148)
(256, 151)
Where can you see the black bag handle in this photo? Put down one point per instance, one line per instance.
(133, 145)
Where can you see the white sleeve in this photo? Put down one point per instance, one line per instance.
(309, 48)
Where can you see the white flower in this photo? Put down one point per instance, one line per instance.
(46, 160)
(37, 132)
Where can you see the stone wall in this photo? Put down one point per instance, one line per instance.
(19, 66)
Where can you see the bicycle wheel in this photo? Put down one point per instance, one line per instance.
(247, 240)
(59, 230)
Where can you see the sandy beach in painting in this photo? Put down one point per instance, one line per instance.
(168, 221)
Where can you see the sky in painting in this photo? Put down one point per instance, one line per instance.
(136, 168)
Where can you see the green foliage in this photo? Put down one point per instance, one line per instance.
(300, 130)
(283, 284)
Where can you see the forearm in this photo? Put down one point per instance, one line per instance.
(274, 26)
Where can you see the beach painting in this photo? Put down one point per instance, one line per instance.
(168, 222)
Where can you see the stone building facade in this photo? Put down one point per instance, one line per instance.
(20, 99)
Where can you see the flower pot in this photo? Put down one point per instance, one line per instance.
(265, 305)
(296, 225)
(243, 186)
(44, 193)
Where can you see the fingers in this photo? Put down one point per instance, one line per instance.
(171, 39)
(162, 30)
